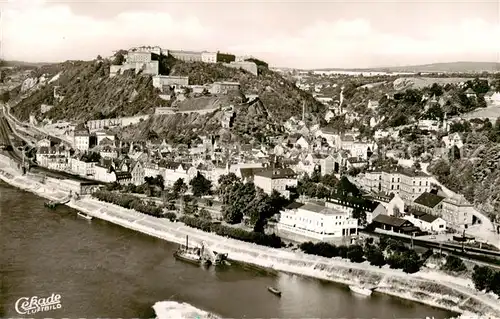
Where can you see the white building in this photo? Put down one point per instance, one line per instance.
(209, 57)
(453, 140)
(316, 222)
(457, 211)
(81, 140)
(276, 179)
(348, 205)
(427, 222)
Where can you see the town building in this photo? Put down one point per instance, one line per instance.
(209, 57)
(429, 203)
(138, 173)
(349, 204)
(279, 179)
(427, 222)
(453, 140)
(457, 211)
(186, 56)
(315, 222)
(406, 183)
(163, 82)
(81, 140)
(394, 224)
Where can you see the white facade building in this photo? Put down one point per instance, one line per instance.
(276, 179)
(316, 222)
(81, 140)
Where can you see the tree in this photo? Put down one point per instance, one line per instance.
(119, 57)
(179, 186)
(454, 263)
(204, 214)
(360, 214)
(482, 277)
(346, 188)
(375, 256)
(225, 181)
(411, 262)
(259, 210)
(200, 185)
(436, 89)
(355, 253)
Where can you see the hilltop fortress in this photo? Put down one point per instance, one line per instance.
(141, 59)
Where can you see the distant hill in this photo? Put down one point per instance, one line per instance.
(451, 67)
(5, 63)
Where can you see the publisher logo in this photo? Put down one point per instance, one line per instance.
(32, 305)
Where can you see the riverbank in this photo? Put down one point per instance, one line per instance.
(451, 293)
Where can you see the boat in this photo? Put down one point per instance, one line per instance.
(191, 255)
(83, 215)
(50, 205)
(360, 290)
(274, 291)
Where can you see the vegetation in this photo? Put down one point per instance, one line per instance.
(454, 263)
(235, 233)
(89, 93)
(200, 185)
(244, 200)
(485, 278)
(131, 202)
(476, 173)
(399, 256)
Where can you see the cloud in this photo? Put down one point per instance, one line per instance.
(52, 33)
(356, 41)
(35, 31)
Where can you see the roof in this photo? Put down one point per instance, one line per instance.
(123, 175)
(320, 209)
(294, 205)
(428, 200)
(249, 172)
(428, 218)
(390, 220)
(277, 173)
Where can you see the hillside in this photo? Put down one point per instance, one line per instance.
(89, 93)
(452, 67)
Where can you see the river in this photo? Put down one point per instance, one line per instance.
(104, 270)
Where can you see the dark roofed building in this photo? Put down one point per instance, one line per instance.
(394, 224)
(428, 202)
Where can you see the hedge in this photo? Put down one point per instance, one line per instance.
(132, 202)
(235, 233)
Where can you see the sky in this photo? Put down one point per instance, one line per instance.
(298, 34)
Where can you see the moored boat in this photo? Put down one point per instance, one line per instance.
(361, 290)
(83, 215)
(191, 255)
(274, 291)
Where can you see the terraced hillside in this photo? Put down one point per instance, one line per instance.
(89, 93)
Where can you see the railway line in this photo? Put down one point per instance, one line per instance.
(485, 256)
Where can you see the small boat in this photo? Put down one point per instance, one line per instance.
(361, 290)
(50, 205)
(83, 215)
(191, 255)
(274, 291)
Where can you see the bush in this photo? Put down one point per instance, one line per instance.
(235, 233)
(454, 263)
(129, 202)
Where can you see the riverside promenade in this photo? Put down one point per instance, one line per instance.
(426, 286)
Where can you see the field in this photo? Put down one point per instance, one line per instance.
(492, 112)
(421, 82)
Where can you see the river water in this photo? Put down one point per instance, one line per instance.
(104, 270)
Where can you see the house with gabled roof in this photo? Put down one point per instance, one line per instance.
(470, 93)
(279, 179)
(428, 202)
(394, 224)
(427, 222)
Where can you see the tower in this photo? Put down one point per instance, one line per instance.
(341, 100)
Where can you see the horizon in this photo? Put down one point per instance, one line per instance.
(327, 35)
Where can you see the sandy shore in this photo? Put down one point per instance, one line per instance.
(426, 286)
